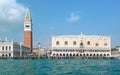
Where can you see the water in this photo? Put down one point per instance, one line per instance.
(59, 67)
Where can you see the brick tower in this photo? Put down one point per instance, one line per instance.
(28, 30)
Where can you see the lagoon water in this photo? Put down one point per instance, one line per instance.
(59, 67)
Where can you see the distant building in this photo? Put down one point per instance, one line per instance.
(118, 48)
(28, 30)
(9, 49)
(40, 52)
(115, 51)
(81, 46)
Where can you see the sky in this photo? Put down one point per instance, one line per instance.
(60, 17)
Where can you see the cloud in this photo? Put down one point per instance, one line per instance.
(11, 15)
(73, 17)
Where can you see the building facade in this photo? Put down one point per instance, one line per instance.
(81, 46)
(12, 49)
(40, 52)
(28, 30)
(115, 52)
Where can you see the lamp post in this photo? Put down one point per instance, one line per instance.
(20, 49)
(39, 53)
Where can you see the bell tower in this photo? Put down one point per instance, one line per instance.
(28, 30)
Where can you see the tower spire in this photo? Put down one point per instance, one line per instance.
(28, 13)
(81, 34)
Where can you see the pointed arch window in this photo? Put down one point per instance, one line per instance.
(9, 47)
(97, 44)
(74, 42)
(81, 44)
(66, 43)
(88, 43)
(105, 44)
(6, 48)
(57, 43)
(2, 47)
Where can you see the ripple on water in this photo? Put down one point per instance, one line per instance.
(60, 67)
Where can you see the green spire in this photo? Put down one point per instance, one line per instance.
(27, 13)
